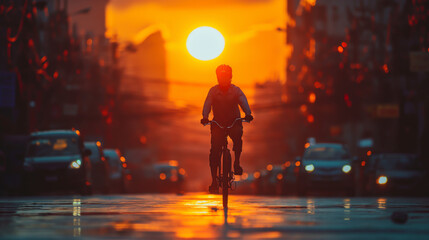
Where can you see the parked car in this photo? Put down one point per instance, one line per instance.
(117, 179)
(100, 167)
(259, 182)
(271, 180)
(326, 167)
(165, 177)
(290, 177)
(243, 184)
(395, 174)
(57, 160)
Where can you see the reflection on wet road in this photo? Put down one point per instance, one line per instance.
(201, 216)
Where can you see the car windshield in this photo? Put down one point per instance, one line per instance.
(398, 163)
(53, 146)
(114, 160)
(326, 153)
(169, 171)
(95, 153)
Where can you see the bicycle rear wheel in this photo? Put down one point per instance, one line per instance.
(226, 171)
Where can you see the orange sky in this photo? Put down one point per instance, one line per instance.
(254, 49)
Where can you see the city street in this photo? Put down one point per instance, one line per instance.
(116, 116)
(197, 215)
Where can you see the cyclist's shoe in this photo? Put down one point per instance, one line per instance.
(214, 189)
(238, 170)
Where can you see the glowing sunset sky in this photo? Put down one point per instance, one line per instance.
(253, 47)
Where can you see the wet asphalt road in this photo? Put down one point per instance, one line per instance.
(201, 216)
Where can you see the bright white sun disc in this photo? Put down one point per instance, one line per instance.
(205, 43)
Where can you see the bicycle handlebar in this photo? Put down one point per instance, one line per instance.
(212, 121)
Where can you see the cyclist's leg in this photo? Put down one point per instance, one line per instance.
(215, 152)
(236, 134)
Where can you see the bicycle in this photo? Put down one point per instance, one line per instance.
(225, 177)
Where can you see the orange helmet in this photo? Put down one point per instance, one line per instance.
(224, 72)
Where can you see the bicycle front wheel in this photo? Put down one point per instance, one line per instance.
(225, 194)
(226, 171)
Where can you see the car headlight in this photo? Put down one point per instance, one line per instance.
(382, 180)
(75, 164)
(309, 168)
(347, 168)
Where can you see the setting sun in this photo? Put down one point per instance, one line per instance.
(205, 43)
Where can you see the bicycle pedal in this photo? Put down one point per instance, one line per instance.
(231, 178)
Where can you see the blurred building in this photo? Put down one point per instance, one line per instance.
(88, 16)
(58, 78)
(350, 70)
(146, 68)
(143, 92)
(270, 137)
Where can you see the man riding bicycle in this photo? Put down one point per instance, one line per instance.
(225, 98)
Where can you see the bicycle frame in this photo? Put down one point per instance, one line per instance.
(226, 176)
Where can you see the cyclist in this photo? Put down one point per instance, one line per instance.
(225, 98)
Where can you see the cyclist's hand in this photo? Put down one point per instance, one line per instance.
(248, 118)
(205, 121)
